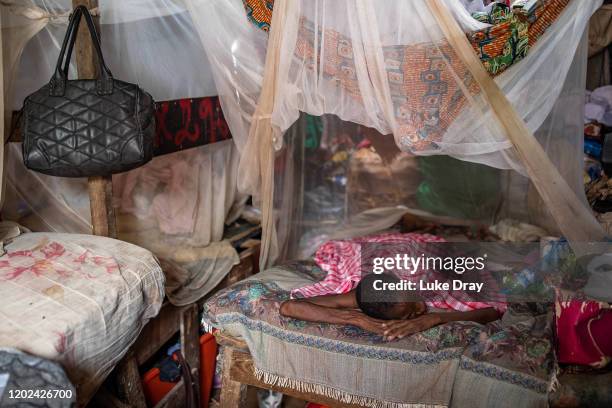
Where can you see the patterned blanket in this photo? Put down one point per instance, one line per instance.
(509, 362)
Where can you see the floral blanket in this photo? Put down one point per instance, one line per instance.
(79, 300)
(509, 362)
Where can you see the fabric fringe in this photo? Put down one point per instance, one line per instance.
(554, 383)
(206, 326)
(554, 380)
(333, 393)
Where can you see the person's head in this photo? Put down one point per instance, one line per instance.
(385, 304)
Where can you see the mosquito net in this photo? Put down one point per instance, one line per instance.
(396, 117)
(181, 197)
(392, 66)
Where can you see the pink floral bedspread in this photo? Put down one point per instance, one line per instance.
(80, 300)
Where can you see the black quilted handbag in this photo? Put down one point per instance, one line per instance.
(86, 127)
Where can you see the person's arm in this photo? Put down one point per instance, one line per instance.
(398, 329)
(341, 301)
(304, 309)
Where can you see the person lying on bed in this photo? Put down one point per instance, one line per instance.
(383, 312)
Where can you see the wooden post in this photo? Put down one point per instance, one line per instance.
(233, 393)
(129, 382)
(101, 205)
(102, 214)
(100, 188)
(190, 343)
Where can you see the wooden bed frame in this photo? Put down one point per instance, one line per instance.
(162, 328)
(239, 373)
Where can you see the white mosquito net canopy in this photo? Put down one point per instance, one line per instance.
(395, 66)
(347, 112)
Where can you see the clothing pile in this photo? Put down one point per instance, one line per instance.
(598, 108)
(598, 165)
(482, 8)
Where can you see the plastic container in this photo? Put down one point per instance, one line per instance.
(208, 361)
(155, 389)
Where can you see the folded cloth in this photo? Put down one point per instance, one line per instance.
(342, 260)
(188, 280)
(603, 93)
(166, 190)
(594, 111)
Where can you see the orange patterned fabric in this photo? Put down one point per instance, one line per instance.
(259, 12)
(509, 40)
(426, 96)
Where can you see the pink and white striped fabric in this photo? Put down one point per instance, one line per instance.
(341, 259)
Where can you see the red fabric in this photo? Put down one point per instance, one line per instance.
(584, 332)
(341, 259)
(185, 123)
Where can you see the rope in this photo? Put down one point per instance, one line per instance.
(33, 12)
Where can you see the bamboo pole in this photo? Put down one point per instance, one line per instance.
(263, 132)
(574, 219)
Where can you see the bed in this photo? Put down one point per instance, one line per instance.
(509, 362)
(80, 300)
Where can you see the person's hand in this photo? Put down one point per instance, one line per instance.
(398, 329)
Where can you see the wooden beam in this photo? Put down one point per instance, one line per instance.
(84, 50)
(101, 206)
(129, 382)
(157, 332)
(233, 393)
(100, 188)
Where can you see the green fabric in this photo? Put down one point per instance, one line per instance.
(458, 189)
(516, 46)
(314, 129)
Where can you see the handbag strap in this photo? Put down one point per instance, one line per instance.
(57, 84)
(73, 29)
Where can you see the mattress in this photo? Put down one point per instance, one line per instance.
(506, 363)
(80, 300)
